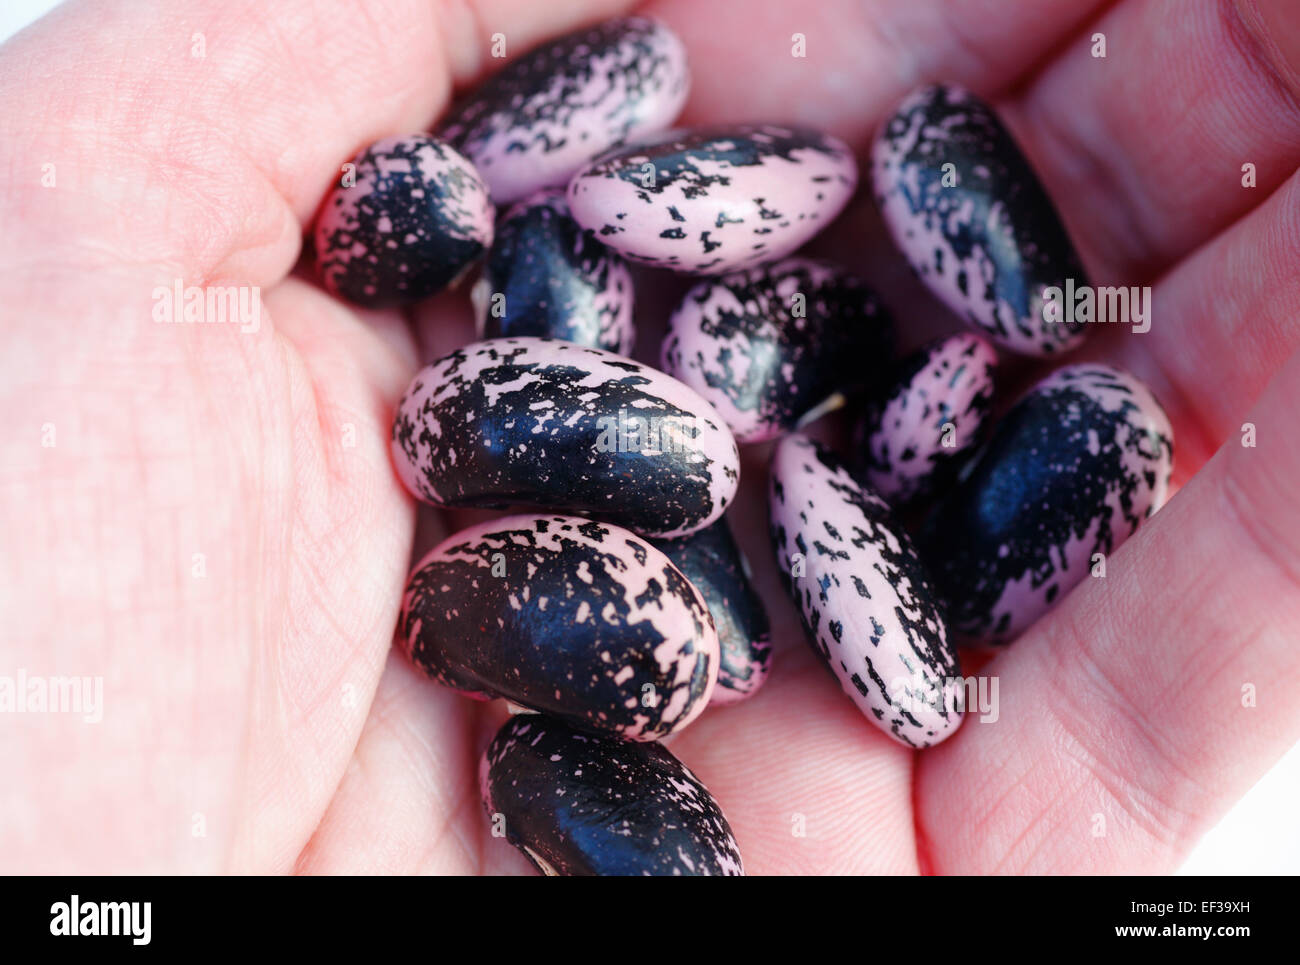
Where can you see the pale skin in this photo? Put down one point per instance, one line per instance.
(201, 536)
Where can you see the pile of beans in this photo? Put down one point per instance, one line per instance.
(618, 606)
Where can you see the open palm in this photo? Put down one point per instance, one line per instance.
(216, 529)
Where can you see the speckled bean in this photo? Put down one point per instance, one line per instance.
(772, 346)
(713, 563)
(546, 114)
(414, 217)
(865, 597)
(545, 277)
(580, 619)
(581, 804)
(546, 424)
(931, 421)
(714, 200)
(989, 243)
(1071, 470)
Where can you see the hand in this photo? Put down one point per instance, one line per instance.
(218, 533)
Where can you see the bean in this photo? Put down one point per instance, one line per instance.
(774, 346)
(865, 597)
(415, 218)
(931, 421)
(712, 561)
(714, 200)
(550, 425)
(1071, 471)
(972, 218)
(545, 277)
(547, 113)
(581, 619)
(580, 804)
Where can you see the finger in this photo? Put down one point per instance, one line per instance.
(209, 146)
(808, 785)
(1144, 148)
(1223, 323)
(409, 802)
(1134, 715)
(325, 497)
(229, 499)
(858, 58)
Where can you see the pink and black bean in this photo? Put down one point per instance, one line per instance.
(712, 561)
(914, 441)
(866, 599)
(770, 345)
(973, 220)
(411, 218)
(548, 112)
(546, 424)
(581, 804)
(713, 200)
(561, 614)
(1071, 471)
(544, 276)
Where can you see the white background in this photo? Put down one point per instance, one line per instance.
(1261, 835)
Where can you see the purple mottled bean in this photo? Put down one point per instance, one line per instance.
(580, 619)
